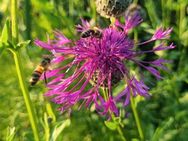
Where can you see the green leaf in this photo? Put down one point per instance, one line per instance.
(10, 133)
(160, 131)
(5, 36)
(59, 128)
(23, 44)
(111, 125)
(1, 48)
(4, 46)
(46, 127)
(50, 112)
(117, 120)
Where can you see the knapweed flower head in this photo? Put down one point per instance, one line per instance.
(88, 64)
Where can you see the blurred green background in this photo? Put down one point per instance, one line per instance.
(164, 117)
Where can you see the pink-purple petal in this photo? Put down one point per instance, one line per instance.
(99, 60)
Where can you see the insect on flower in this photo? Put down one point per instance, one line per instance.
(41, 69)
(116, 77)
(102, 63)
(92, 32)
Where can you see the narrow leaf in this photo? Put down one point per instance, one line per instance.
(59, 128)
(1, 48)
(160, 131)
(111, 125)
(10, 134)
(5, 36)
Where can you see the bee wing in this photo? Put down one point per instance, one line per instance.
(45, 79)
(47, 74)
(50, 73)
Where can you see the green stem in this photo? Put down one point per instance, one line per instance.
(121, 133)
(14, 21)
(71, 8)
(30, 110)
(119, 130)
(28, 19)
(163, 4)
(19, 69)
(136, 119)
(152, 12)
(182, 49)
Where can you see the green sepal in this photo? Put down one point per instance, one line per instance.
(118, 121)
(111, 125)
(22, 44)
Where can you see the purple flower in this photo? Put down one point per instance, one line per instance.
(161, 34)
(89, 64)
(130, 23)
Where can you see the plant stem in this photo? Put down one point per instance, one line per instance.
(182, 49)
(30, 110)
(14, 21)
(28, 19)
(19, 69)
(106, 96)
(163, 4)
(121, 133)
(136, 119)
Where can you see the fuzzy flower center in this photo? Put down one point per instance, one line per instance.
(106, 55)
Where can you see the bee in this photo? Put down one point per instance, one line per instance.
(92, 32)
(40, 69)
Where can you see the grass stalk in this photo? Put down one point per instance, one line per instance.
(30, 110)
(28, 19)
(181, 48)
(137, 120)
(19, 70)
(14, 25)
(121, 133)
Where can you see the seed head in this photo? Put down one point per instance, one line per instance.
(112, 8)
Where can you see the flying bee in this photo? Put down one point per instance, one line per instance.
(40, 69)
(92, 32)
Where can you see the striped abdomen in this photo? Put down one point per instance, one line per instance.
(36, 75)
(92, 32)
(87, 33)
